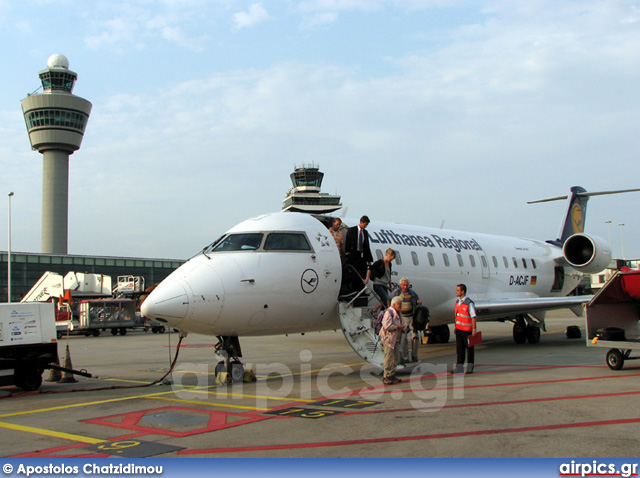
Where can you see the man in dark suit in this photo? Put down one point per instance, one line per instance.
(357, 248)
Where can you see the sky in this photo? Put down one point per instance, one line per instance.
(426, 112)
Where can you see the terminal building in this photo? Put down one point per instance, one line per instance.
(28, 267)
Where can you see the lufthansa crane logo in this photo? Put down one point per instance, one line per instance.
(577, 218)
(309, 281)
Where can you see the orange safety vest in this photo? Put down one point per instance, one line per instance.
(463, 317)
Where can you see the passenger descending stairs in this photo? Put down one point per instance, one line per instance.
(358, 328)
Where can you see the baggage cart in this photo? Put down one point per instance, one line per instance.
(613, 318)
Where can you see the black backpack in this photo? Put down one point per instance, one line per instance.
(420, 318)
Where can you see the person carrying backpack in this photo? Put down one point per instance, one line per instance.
(380, 272)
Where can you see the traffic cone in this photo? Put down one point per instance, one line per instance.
(67, 377)
(54, 374)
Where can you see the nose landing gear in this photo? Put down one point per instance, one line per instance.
(231, 369)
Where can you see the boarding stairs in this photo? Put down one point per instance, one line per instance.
(358, 326)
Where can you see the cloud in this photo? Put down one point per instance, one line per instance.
(134, 27)
(256, 15)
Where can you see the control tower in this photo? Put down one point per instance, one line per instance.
(305, 195)
(55, 120)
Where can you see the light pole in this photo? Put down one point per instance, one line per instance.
(9, 254)
(622, 240)
(609, 223)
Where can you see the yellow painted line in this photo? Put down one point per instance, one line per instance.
(242, 395)
(209, 404)
(51, 433)
(79, 405)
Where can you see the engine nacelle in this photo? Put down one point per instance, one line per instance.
(588, 254)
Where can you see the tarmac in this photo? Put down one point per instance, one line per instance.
(314, 397)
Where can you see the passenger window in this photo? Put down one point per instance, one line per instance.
(286, 241)
(432, 261)
(472, 260)
(398, 258)
(484, 262)
(379, 254)
(533, 263)
(524, 262)
(446, 260)
(495, 261)
(239, 242)
(515, 262)
(414, 258)
(506, 262)
(460, 263)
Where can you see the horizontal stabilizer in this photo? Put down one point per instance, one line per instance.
(584, 194)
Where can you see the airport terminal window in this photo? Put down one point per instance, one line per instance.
(414, 258)
(432, 261)
(286, 241)
(239, 242)
(446, 260)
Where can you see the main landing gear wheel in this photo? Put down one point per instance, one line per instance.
(533, 334)
(520, 330)
(615, 359)
(441, 334)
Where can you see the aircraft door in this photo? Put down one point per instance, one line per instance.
(484, 264)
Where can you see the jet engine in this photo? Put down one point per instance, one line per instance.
(588, 254)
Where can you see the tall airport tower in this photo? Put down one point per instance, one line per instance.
(55, 120)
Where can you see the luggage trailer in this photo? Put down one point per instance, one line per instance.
(613, 318)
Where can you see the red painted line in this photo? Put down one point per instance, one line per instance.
(492, 404)
(508, 384)
(497, 431)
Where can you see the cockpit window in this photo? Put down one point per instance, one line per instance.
(239, 242)
(286, 241)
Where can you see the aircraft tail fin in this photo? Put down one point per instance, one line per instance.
(574, 219)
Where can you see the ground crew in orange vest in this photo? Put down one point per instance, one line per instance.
(465, 327)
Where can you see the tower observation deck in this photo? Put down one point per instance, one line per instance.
(305, 195)
(55, 120)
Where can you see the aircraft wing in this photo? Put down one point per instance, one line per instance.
(497, 308)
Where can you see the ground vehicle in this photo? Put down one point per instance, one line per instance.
(613, 318)
(116, 315)
(27, 343)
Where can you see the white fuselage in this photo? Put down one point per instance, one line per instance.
(262, 289)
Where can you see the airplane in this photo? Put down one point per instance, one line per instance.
(281, 273)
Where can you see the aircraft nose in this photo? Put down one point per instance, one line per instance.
(168, 301)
